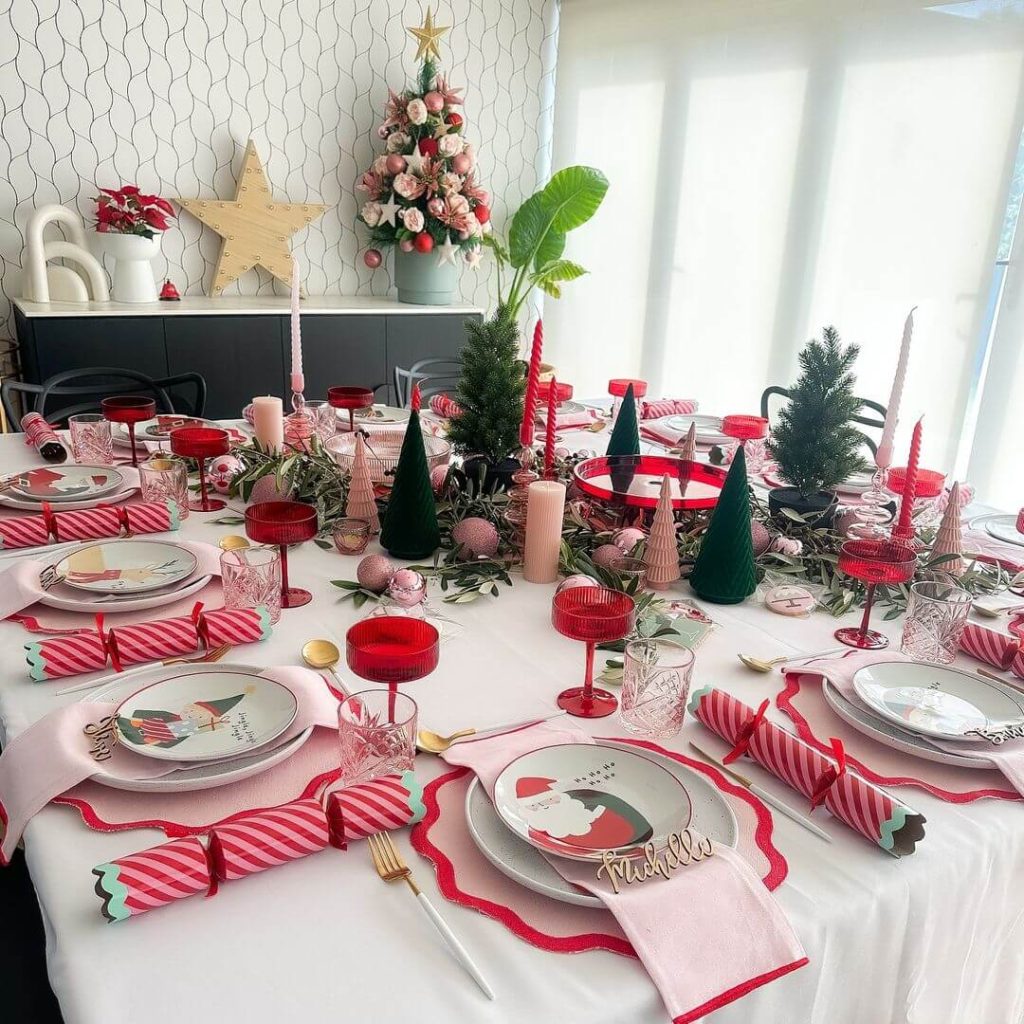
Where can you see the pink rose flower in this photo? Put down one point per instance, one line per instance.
(380, 165)
(397, 141)
(416, 111)
(413, 219)
(449, 145)
(435, 206)
(408, 186)
(451, 183)
(787, 546)
(371, 214)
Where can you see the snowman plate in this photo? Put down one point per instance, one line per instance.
(204, 716)
(125, 566)
(579, 800)
(58, 484)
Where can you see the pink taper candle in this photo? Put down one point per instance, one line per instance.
(904, 527)
(532, 386)
(549, 431)
(298, 380)
(545, 509)
(883, 457)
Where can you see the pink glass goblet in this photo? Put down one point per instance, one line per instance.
(594, 615)
(351, 399)
(201, 443)
(129, 410)
(873, 562)
(283, 523)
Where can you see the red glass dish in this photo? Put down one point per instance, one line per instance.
(745, 428)
(563, 394)
(930, 482)
(283, 523)
(129, 410)
(618, 386)
(351, 399)
(635, 480)
(594, 615)
(201, 443)
(392, 649)
(873, 562)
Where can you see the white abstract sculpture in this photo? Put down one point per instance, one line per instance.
(61, 283)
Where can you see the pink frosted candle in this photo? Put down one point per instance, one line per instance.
(545, 509)
(298, 380)
(532, 386)
(268, 422)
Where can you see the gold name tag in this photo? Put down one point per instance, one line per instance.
(681, 848)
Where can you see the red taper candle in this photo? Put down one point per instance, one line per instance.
(415, 400)
(904, 527)
(531, 397)
(549, 431)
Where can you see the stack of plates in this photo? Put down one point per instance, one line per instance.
(156, 431)
(578, 800)
(65, 487)
(709, 428)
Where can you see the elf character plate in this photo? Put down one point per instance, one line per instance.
(67, 483)
(580, 799)
(125, 566)
(205, 716)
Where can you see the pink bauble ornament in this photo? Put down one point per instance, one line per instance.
(474, 537)
(374, 573)
(760, 536)
(461, 164)
(221, 471)
(395, 163)
(579, 580)
(605, 555)
(434, 102)
(406, 245)
(407, 588)
(372, 258)
(266, 489)
(627, 538)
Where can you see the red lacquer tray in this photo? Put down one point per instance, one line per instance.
(635, 480)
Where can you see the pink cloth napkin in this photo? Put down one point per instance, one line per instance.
(657, 431)
(707, 936)
(52, 755)
(568, 420)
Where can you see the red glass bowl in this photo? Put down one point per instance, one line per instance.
(930, 482)
(618, 386)
(745, 428)
(280, 522)
(392, 649)
(128, 408)
(878, 561)
(199, 442)
(563, 394)
(593, 614)
(635, 480)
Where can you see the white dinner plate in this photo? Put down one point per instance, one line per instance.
(712, 816)
(204, 716)
(60, 484)
(59, 596)
(376, 414)
(11, 500)
(579, 800)
(858, 483)
(125, 566)
(936, 701)
(1004, 528)
(709, 428)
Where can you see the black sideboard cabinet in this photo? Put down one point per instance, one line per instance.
(241, 346)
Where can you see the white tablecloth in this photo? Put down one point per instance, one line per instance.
(936, 937)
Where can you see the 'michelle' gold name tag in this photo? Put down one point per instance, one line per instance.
(680, 849)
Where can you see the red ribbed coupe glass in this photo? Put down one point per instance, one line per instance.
(745, 428)
(283, 523)
(129, 410)
(351, 399)
(392, 649)
(201, 443)
(873, 562)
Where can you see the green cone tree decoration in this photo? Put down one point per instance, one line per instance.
(410, 524)
(625, 439)
(724, 571)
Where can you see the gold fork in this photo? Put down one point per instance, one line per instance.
(203, 659)
(390, 866)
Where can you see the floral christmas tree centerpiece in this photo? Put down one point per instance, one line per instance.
(423, 193)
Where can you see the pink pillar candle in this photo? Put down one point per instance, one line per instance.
(268, 422)
(545, 509)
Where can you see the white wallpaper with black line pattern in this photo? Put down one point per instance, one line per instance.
(165, 93)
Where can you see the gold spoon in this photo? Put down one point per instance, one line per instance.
(434, 743)
(321, 654)
(760, 665)
(232, 542)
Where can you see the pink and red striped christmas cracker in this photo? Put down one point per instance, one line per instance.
(867, 809)
(88, 524)
(248, 845)
(667, 407)
(38, 432)
(442, 405)
(993, 648)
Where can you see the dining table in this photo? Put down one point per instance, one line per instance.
(936, 937)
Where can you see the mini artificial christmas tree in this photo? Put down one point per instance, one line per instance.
(724, 571)
(625, 439)
(361, 503)
(949, 540)
(410, 524)
(661, 555)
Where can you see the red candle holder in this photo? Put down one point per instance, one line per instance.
(594, 615)
(201, 443)
(873, 562)
(563, 392)
(129, 409)
(351, 399)
(618, 386)
(745, 428)
(283, 523)
(635, 481)
(392, 649)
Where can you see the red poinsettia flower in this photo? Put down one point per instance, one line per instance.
(127, 210)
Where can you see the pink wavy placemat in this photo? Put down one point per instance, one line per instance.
(467, 878)
(801, 699)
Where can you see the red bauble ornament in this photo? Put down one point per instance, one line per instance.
(423, 242)
(395, 163)
(372, 258)
(428, 146)
(482, 213)
(455, 120)
(169, 293)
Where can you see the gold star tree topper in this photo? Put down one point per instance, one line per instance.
(254, 227)
(426, 37)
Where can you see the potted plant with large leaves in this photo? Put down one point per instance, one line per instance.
(814, 442)
(490, 393)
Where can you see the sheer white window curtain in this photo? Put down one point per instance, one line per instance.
(780, 165)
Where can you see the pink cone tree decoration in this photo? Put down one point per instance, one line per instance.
(949, 539)
(361, 503)
(661, 556)
(690, 444)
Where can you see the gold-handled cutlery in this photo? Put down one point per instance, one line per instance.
(232, 542)
(762, 665)
(390, 866)
(428, 742)
(206, 658)
(780, 805)
(322, 654)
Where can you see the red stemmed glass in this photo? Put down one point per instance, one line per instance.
(873, 562)
(201, 443)
(594, 615)
(129, 409)
(283, 523)
(351, 399)
(745, 428)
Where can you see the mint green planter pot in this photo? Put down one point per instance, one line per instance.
(420, 280)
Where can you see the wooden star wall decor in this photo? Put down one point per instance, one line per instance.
(254, 227)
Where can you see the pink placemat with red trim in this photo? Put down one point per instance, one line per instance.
(801, 699)
(467, 878)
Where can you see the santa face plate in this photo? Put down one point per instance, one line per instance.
(58, 484)
(580, 799)
(204, 716)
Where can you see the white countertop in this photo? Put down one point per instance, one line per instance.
(239, 305)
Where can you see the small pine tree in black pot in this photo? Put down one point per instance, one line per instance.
(814, 442)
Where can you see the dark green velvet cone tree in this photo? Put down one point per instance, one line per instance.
(724, 571)
(410, 527)
(625, 439)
